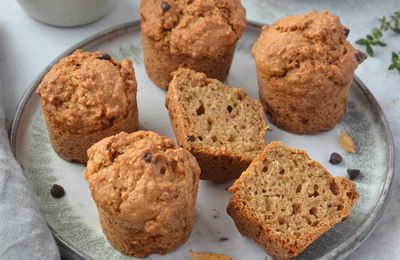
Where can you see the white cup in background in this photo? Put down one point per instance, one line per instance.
(67, 12)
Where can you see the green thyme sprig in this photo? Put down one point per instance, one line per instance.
(375, 37)
(372, 39)
(392, 24)
(395, 62)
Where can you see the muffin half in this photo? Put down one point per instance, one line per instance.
(220, 125)
(285, 200)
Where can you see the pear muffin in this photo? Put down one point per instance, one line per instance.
(285, 200)
(305, 67)
(220, 125)
(197, 34)
(85, 97)
(145, 190)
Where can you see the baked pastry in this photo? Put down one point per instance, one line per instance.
(197, 34)
(221, 126)
(285, 200)
(145, 191)
(87, 96)
(305, 67)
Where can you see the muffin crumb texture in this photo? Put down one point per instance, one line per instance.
(145, 191)
(285, 200)
(220, 125)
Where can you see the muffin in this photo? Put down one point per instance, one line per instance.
(305, 67)
(85, 97)
(220, 125)
(285, 200)
(197, 34)
(145, 191)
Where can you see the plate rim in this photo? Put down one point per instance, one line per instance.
(342, 250)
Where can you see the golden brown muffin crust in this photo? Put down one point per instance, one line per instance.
(145, 191)
(198, 28)
(141, 177)
(83, 93)
(309, 52)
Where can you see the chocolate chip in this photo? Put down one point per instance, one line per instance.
(229, 107)
(190, 138)
(346, 31)
(57, 191)
(304, 120)
(353, 173)
(165, 6)
(361, 56)
(147, 157)
(104, 56)
(335, 158)
(223, 239)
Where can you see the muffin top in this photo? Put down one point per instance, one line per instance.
(198, 28)
(141, 176)
(305, 52)
(88, 91)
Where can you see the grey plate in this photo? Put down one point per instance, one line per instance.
(73, 219)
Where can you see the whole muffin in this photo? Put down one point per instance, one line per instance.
(305, 67)
(145, 191)
(197, 34)
(85, 97)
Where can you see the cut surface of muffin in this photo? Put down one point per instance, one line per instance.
(285, 200)
(220, 125)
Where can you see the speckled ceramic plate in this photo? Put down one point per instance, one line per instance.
(73, 218)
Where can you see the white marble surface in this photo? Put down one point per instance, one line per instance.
(27, 46)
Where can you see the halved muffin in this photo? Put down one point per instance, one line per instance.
(220, 125)
(285, 200)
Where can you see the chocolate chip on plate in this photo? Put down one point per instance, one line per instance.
(57, 191)
(346, 31)
(223, 239)
(147, 157)
(353, 173)
(335, 158)
(104, 56)
(190, 138)
(165, 6)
